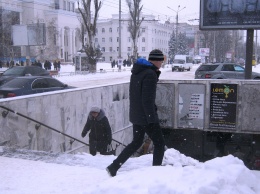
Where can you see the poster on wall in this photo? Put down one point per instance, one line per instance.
(191, 106)
(223, 103)
(229, 14)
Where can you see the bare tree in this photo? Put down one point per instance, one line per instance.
(90, 22)
(135, 22)
(223, 43)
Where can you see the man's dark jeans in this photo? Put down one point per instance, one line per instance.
(155, 133)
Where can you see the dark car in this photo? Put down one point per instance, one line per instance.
(22, 71)
(222, 71)
(26, 85)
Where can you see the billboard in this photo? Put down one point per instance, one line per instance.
(229, 14)
(29, 35)
(204, 52)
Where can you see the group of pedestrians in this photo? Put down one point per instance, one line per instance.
(46, 65)
(143, 115)
(8, 64)
(127, 63)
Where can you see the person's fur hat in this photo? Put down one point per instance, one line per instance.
(95, 109)
(156, 55)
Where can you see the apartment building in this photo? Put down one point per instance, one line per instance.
(153, 35)
(61, 25)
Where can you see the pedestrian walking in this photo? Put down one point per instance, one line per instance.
(143, 111)
(100, 135)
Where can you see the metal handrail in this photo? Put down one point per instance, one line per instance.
(41, 124)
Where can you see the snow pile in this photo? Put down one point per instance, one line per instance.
(44, 172)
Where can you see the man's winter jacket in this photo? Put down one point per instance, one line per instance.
(143, 83)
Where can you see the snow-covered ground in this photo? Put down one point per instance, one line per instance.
(113, 76)
(30, 172)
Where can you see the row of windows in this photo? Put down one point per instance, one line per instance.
(117, 39)
(129, 40)
(158, 32)
(103, 30)
(117, 49)
(67, 5)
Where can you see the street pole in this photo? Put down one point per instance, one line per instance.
(249, 53)
(119, 54)
(256, 55)
(119, 62)
(214, 54)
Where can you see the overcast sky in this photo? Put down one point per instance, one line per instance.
(157, 8)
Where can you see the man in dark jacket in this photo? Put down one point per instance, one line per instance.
(100, 135)
(143, 111)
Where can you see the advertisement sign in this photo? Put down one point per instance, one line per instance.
(29, 35)
(191, 106)
(229, 14)
(204, 52)
(223, 103)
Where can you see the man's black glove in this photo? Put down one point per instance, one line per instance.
(83, 134)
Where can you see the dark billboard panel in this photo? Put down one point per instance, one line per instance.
(229, 14)
(223, 103)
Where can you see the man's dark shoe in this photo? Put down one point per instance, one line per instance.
(112, 170)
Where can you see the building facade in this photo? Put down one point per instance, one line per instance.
(61, 23)
(153, 35)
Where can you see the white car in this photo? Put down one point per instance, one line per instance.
(181, 65)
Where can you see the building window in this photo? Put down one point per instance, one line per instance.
(129, 39)
(103, 49)
(103, 30)
(143, 49)
(66, 38)
(110, 29)
(129, 49)
(61, 53)
(110, 49)
(68, 6)
(143, 39)
(110, 39)
(64, 5)
(110, 58)
(117, 48)
(72, 7)
(117, 39)
(57, 4)
(54, 39)
(103, 58)
(103, 39)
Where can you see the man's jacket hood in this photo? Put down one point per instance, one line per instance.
(142, 64)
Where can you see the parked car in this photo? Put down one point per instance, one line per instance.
(222, 71)
(26, 85)
(22, 71)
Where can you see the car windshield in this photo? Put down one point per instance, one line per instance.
(207, 67)
(178, 61)
(15, 83)
(14, 71)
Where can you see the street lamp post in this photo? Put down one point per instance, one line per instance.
(177, 20)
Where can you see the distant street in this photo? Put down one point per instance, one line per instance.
(116, 77)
